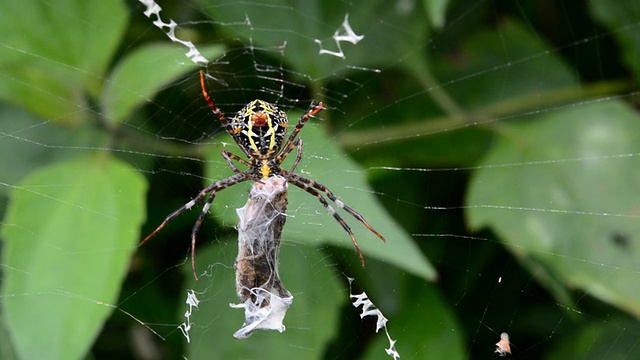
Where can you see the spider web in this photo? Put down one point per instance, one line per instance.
(495, 146)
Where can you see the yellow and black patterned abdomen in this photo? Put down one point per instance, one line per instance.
(261, 128)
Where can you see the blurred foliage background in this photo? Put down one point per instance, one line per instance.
(496, 146)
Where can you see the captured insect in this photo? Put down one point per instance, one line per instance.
(259, 130)
(261, 292)
(503, 347)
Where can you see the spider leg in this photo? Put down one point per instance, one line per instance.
(212, 189)
(287, 151)
(299, 182)
(213, 107)
(308, 185)
(223, 120)
(288, 146)
(196, 227)
(228, 156)
(341, 205)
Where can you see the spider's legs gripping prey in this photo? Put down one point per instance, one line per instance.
(211, 190)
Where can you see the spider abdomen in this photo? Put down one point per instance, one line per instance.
(261, 128)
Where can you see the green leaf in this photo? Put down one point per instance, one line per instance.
(29, 143)
(523, 67)
(616, 338)
(52, 52)
(68, 235)
(622, 18)
(137, 77)
(7, 350)
(311, 320)
(398, 29)
(308, 220)
(436, 10)
(429, 339)
(559, 190)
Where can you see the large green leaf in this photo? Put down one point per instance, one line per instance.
(51, 52)
(7, 350)
(68, 235)
(560, 189)
(311, 320)
(309, 222)
(29, 143)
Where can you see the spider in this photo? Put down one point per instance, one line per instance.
(259, 130)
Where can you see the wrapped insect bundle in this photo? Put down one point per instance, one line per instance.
(262, 295)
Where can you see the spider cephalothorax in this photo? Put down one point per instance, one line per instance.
(259, 130)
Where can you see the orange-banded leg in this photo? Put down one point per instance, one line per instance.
(288, 146)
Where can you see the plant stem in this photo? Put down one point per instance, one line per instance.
(486, 116)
